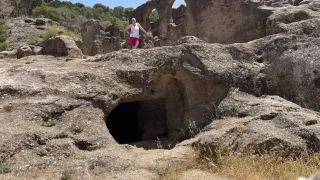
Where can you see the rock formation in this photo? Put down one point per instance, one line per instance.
(85, 116)
(268, 124)
(6, 7)
(96, 41)
(61, 46)
(218, 21)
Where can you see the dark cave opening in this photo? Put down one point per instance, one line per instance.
(138, 121)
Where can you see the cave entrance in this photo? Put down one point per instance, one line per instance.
(137, 121)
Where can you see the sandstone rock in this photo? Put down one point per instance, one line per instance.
(6, 7)
(292, 69)
(36, 49)
(206, 19)
(262, 125)
(40, 22)
(24, 51)
(188, 39)
(85, 116)
(95, 40)
(311, 4)
(294, 20)
(61, 46)
(114, 30)
(8, 54)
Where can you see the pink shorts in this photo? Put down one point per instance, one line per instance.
(134, 41)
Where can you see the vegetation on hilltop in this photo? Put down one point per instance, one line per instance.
(71, 14)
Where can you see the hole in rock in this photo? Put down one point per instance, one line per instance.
(138, 121)
(154, 16)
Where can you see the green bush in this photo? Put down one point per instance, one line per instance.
(48, 12)
(3, 35)
(3, 46)
(49, 33)
(75, 36)
(32, 40)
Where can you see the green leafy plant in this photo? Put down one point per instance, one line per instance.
(75, 36)
(49, 33)
(32, 40)
(3, 35)
(48, 12)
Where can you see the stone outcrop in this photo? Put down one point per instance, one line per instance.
(8, 54)
(75, 112)
(61, 46)
(267, 124)
(211, 21)
(6, 7)
(85, 116)
(24, 51)
(96, 41)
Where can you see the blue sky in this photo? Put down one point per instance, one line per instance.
(124, 3)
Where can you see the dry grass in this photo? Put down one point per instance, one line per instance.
(249, 167)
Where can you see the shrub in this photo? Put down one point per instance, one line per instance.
(48, 12)
(75, 36)
(31, 40)
(3, 35)
(4, 166)
(49, 33)
(3, 46)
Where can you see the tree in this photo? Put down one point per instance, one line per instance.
(25, 7)
(119, 12)
(154, 16)
(48, 12)
(80, 5)
(127, 13)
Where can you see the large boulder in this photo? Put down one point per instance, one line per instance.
(24, 51)
(96, 41)
(294, 20)
(61, 46)
(114, 30)
(267, 124)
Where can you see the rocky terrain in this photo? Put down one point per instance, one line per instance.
(249, 86)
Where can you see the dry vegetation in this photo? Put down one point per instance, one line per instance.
(249, 167)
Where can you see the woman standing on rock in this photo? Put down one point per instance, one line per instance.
(135, 33)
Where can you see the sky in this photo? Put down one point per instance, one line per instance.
(123, 3)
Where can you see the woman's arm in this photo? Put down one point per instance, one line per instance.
(127, 29)
(142, 29)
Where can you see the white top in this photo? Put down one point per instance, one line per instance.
(135, 31)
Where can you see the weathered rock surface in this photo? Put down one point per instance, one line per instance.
(8, 54)
(267, 124)
(58, 113)
(70, 116)
(24, 51)
(6, 7)
(96, 41)
(229, 22)
(61, 46)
